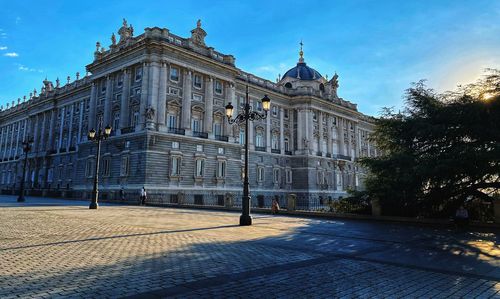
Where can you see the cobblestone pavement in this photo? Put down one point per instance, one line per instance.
(57, 248)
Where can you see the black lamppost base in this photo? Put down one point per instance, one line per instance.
(93, 205)
(245, 220)
(21, 199)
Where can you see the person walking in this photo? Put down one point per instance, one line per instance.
(275, 207)
(143, 196)
(122, 194)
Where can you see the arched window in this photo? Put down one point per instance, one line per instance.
(321, 87)
(288, 85)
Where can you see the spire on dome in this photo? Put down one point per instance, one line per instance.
(301, 53)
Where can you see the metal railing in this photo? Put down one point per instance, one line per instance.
(177, 131)
(200, 134)
(222, 138)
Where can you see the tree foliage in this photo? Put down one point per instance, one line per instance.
(440, 151)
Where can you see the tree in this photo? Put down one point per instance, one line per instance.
(442, 150)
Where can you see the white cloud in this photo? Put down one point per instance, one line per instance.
(3, 48)
(18, 20)
(11, 54)
(28, 69)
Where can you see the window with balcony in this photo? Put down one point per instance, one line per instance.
(275, 110)
(259, 139)
(172, 121)
(260, 173)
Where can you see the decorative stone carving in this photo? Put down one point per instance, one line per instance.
(125, 32)
(150, 113)
(113, 39)
(198, 35)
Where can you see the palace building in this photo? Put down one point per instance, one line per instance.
(164, 97)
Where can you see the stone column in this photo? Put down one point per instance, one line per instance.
(282, 131)
(70, 128)
(329, 129)
(186, 100)
(42, 132)
(144, 96)
(358, 141)
(125, 103)
(17, 138)
(92, 108)
(35, 146)
(152, 103)
(4, 141)
(25, 129)
(209, 105)
(53, 116)
(80, 123)
(368, 144)
(348, 141)
(61, 129)
(300, 130)
(11, 140)
(108, 102)
(341, 136)
(232, 99)
(162, 98)
(291, 122)
(310, 129)
(320, 133)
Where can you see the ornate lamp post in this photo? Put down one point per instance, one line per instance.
(26, 149)
(97, 137)
(244, 117)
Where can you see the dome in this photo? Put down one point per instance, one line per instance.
(303, 72)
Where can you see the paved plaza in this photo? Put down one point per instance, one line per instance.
(58, 248)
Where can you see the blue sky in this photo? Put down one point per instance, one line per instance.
(377, 47)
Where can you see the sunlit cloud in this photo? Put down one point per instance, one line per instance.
(18, 20)
(11, 54)
(3, 48)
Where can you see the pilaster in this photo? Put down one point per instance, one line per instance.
(125, 102)
(162, 98)
(209, 105)
(186, 100)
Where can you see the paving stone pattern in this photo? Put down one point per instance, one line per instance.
(57, 248)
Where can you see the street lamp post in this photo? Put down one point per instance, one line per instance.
(244, 117)
(97, 137)
(26, 149)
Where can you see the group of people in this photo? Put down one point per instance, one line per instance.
(142, 198)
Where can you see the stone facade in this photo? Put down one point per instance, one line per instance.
(164, 96)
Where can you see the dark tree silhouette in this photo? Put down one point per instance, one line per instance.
(441, 151)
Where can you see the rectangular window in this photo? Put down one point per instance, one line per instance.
(287, 145)
(138, 73)
(200, 167)
(217, 129)
(220, 151)
(119, 81)
(285, 113)
(218, 87)
(124, 166)
(199, 147)
(175, 144)
(275, 110)
(259, 105)
(260, 174)
(288, 174)
(135, 119)
(50, 175)
(276, 177)
(197, 97)
(242, 136)
(221, 169)
(174, 74)
(275, 142)
(176, 166)
(172, 121)
(116, 122)
(195, 125)
(197, 81)
(106, 166)
(89, 168)
(259, 140)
